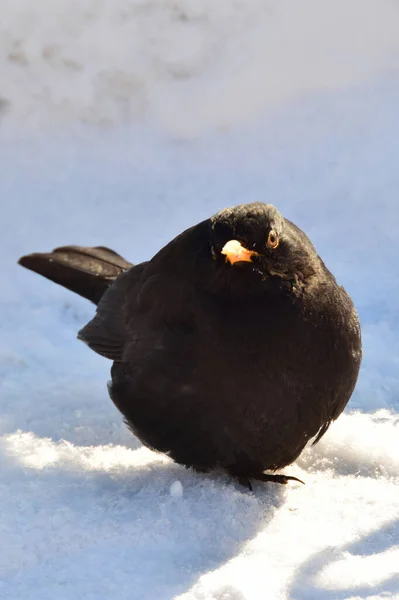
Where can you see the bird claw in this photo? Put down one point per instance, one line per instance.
(268, 477)
(277, 478)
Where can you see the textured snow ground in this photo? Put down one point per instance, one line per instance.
(122, 123)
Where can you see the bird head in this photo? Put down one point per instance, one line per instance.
(254, 240)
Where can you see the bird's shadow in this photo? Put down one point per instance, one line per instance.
(124, 524)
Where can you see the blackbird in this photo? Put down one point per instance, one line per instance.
(232, 347)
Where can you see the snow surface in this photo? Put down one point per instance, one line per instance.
(121, 123)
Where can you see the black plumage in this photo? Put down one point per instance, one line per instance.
(233, 347)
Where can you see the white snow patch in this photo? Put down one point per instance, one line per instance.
(176, 489)
(358, 571)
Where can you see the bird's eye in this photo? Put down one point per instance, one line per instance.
(272, 240)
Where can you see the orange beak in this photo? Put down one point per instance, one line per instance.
(235, 252)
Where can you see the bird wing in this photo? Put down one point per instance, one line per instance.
(136, 312)
(148, 301)
(106, 333)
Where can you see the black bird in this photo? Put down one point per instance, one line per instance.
(232, 347)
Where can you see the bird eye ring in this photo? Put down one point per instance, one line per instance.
(272, 240)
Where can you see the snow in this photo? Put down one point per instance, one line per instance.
(122, 123)
(176, 489)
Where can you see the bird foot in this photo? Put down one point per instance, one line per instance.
(245, 482)
(265, 477)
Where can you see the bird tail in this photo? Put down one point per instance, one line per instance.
(86, 271)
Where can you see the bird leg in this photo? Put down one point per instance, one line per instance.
(245, 482)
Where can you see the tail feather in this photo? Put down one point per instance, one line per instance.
(85, 271)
